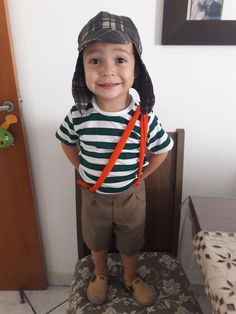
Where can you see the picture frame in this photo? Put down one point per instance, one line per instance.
(178, 30)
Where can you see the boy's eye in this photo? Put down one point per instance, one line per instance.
(120, 60)
(94, 61)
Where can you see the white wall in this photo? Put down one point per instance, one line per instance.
(229, 10)
(195, 90)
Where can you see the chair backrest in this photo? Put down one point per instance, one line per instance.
(164, 196)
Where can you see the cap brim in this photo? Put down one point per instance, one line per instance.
(104, 35)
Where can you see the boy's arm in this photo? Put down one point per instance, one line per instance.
(72, 153)
(155, 160)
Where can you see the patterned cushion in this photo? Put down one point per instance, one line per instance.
(161, 270)
(216, 255)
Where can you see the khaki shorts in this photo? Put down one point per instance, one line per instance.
(123, 213)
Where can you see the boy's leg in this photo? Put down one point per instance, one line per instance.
(129, 229)
(97, 288)
(100, 262)
(130, 265)
(143, 293)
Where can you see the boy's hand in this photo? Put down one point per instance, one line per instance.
(155, 160)
(72, 153)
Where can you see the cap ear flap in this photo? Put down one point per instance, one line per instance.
(136, 71)
(143, 86)
(81, 94)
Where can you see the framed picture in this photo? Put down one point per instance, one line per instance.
(199, 22)
(205, 10)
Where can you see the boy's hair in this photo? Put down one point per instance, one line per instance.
(106, 27)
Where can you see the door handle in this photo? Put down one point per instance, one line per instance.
(7, 106)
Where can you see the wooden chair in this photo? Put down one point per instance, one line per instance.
(158, 262)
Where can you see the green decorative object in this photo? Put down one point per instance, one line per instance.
(6, 138)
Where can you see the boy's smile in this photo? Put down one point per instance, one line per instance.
(109, 73)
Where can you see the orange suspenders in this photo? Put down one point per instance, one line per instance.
(118, 149)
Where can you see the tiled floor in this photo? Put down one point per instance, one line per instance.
(53, 300)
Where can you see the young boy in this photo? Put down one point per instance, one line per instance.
(113, 200)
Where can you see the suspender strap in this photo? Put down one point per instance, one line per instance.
(118, 149)
(143, 141)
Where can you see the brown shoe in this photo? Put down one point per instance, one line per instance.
(142, 292)
(97, 289)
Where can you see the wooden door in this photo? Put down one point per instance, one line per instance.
(21, 258)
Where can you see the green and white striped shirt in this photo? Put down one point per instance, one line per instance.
(97, 133)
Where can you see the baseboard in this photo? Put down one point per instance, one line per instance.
(59, 278)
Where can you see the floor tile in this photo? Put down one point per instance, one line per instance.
(60, 310)
(45, 300)
(10, 303)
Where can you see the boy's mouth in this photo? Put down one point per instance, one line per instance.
(108, 85)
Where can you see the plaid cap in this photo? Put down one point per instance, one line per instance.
(106, 27)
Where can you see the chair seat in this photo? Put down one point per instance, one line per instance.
(161, 270)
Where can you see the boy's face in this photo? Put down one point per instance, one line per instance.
(109, 73)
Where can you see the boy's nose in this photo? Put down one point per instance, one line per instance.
(108, 69)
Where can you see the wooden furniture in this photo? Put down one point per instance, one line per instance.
(158, 263)
(22, 263)
(213, 213)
